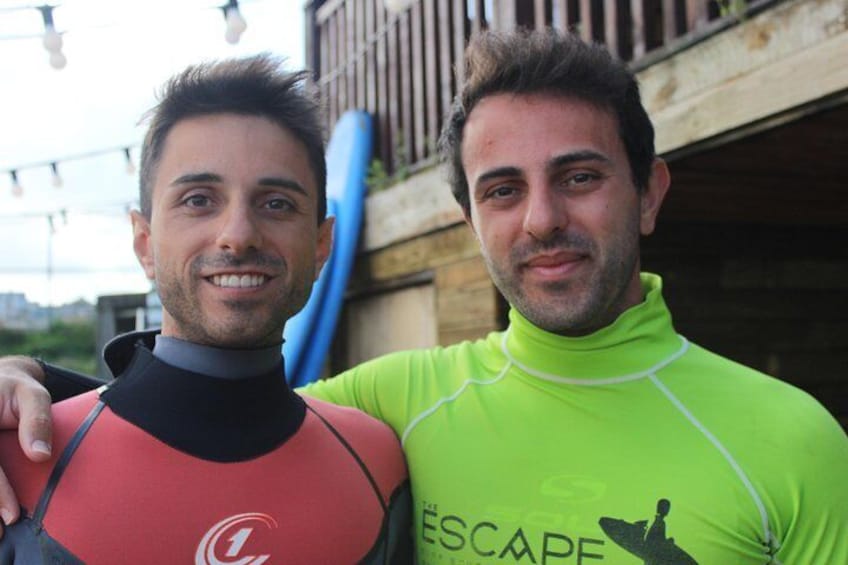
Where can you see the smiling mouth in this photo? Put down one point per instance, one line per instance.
(237, 280)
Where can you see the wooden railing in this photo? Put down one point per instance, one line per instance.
(399, 64)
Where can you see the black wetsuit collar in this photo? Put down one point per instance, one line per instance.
(207, 417)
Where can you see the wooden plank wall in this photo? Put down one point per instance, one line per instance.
(400, 66)
(768, 296)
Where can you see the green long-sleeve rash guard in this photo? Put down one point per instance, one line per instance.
(628, 446)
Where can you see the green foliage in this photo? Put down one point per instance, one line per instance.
(68, 344)
(734, 8)
(378, 177)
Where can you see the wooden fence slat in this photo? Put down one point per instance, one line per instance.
(539, 14)
(560, 15)
(445, 60)
(460, 27)
(360, 57)
(611, 26)
(696, 14)
(332, 100)
(383, 95)
(637, 11)
(669, 9)
(394, 68)
(349, 54)
(371, 72)
(405, 70)
(586, 31)
(477, 21)
(418, 103)
(431, 76)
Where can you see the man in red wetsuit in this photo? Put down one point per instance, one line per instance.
(198, 452)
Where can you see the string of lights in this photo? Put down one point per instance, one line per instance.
(56, 179)
(53, 42)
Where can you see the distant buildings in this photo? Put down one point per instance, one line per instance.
(18, 313)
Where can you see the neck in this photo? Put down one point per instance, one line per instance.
(216, 361)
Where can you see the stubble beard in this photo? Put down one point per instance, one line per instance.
(582, 304)
(246, 323)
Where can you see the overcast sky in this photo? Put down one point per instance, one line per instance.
(118, 53)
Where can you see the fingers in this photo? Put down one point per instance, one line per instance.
(10, 510)
(35, 428)
(25, 404)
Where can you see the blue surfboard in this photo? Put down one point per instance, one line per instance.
(348, 156)
(299, 326)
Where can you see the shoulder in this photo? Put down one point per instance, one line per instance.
(28, 478)
(423, 366)
(770, 418)
(371, 442)
(738, 384)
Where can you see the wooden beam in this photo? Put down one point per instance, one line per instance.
(781, 59)
(466, 301)
(420, 204)
(414, 256)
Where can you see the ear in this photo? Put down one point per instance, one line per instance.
(325, 244)
(466, 215)
(652, 197)
(142, 245)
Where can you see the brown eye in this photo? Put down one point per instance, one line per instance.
(197, 201)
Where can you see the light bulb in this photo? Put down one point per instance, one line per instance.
(17, 189)
(57, 180)
(130, 167)
(58, 60)
(235, 22)
(52, 41)
(232, 37)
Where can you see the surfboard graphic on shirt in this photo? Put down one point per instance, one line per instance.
(648, 543)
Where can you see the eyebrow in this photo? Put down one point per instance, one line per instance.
(497, 173)
(279, 182)
(577, 157)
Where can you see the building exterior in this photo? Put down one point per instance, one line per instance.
(18, 313)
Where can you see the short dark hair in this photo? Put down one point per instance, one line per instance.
(547, 62)
(252, 86)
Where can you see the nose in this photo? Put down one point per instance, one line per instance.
(239, 231)
(544, 213)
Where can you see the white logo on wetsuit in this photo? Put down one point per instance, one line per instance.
(208, 548)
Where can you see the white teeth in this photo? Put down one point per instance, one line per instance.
(238, 281)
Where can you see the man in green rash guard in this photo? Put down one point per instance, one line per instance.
(588, 431)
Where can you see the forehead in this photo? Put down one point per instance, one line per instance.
(505, 126)
(237, 148)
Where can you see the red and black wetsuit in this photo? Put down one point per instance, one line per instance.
(170, 466)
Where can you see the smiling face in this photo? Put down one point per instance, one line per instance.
(555, 209)
(232, 241)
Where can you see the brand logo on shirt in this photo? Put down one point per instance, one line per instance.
(647, 543)
(224, 543)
